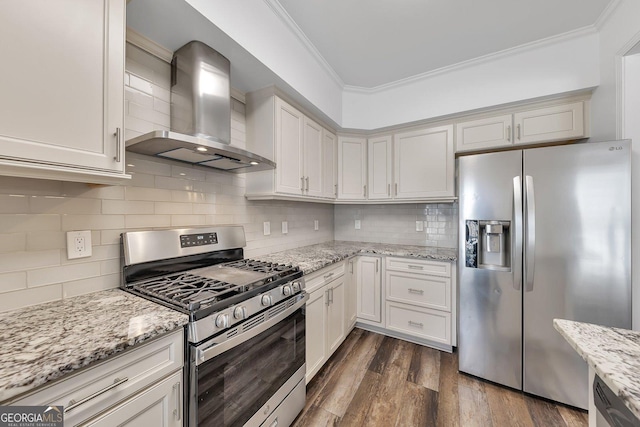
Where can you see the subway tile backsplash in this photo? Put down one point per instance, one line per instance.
(36, 214)
(397, 224)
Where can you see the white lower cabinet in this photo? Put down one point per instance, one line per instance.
(351, 294)
(141, 387)
(325, 321)
(159, 405)
(432, 325)
(369, 292)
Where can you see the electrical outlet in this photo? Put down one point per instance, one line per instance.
(267, 228)
(358, 224)
(285, 227)
(316, 225)
(419, 226)
(78, 244)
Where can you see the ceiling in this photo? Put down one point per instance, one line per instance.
(369, 43)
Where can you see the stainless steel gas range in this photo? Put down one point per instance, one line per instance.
(246, 335)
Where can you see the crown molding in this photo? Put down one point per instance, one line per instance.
(580, 32)
(148, 45)
(606, 13)
(284, 16)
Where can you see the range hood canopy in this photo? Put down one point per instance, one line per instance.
(200, 116)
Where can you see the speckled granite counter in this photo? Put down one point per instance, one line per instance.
(314, 257)
(613, 353)
(44, 342)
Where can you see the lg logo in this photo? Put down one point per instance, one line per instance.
(615, 148)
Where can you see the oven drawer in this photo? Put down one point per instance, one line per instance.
(433, 325)
(132, 371)
(319, 278)
(419, 266)
(426, 291)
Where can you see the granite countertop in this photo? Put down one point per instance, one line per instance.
(315, 257)
(613, 353)
(46, 341)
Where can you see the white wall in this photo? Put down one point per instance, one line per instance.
(549, 69)
(253, 25)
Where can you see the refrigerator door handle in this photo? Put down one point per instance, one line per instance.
(516, 252)
(530, 233)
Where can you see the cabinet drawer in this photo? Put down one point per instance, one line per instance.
(419, 266)
(426, 291)
(141, 367)
(424, 323)
(319, 278)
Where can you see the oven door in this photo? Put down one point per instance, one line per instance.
(250, 368)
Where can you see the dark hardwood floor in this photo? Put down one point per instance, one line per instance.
(373, 380)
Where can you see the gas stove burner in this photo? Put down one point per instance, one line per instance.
(200, 288)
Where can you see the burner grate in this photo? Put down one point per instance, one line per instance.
(193, 291)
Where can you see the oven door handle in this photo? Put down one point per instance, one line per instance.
(212, 349)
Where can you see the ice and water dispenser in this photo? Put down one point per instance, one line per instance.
(488, 244)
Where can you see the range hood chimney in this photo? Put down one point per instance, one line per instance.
(200, 116)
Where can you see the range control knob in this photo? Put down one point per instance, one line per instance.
(295, 286)
(222, 321)
(266, 300)
(240, 312)
(286, 290)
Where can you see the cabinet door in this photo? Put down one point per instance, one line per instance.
(380, 176)
(312, 151)
(159, 405)
(335, 315)
(484, 133)
(289, 161)
(424, 163)
(369, 289)
(329, 165)
(352, 168)
(316, 331)
(550, 124)
(62, 84)
(351, 295)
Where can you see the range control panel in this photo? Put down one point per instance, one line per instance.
(190, 240)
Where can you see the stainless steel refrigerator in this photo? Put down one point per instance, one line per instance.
(544, 233)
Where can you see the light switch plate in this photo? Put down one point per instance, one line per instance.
(267, 228)
(285, 227)
(357, 224)
(78, 244)
(419, 226)
(316, 225)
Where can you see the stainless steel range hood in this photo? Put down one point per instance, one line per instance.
(200, 116)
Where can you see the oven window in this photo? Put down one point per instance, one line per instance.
(232, 386)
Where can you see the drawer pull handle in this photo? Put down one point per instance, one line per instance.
(74, 404)
(416, 291)
(416, 267)
(274, 423)
(326, 276)
(416, 324)
(176, 412)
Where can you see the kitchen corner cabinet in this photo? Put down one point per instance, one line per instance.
(380, 155)
(297, 144)
(329, 165)
(352, 168)
(325, 316)
(369, 288)
(532, 126)
(351, 295)
(62, 103)
(143, 386)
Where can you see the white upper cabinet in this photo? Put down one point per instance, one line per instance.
(380, 167)
(352, 168)
(313, 159)
(329, 165)
(424, 163)
(559, 122)
(62, 103)
(484, 133)
(289, 160)
(304, 152)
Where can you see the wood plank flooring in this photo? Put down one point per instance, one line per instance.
(373, 380)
